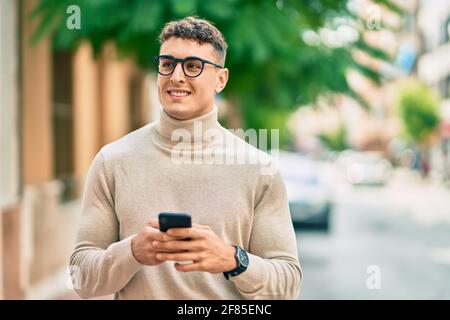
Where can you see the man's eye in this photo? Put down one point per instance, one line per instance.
(193, 66)
(167, 64)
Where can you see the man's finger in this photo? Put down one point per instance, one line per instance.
(178, 245)
(167, 250)
(200, 226)
(189, 267)
(192, 233)
(162, 236)
(185, 256)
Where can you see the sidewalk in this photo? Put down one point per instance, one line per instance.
(426, 201)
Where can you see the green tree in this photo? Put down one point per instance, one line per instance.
(272, 67)
(418, 108)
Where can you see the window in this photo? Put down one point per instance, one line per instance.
(63, 127)
(446, 91)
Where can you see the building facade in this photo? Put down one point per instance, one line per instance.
(58, 108)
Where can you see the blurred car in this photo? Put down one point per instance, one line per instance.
(308, 194)
(365, 168)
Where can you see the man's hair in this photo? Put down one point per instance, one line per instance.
(199, 30)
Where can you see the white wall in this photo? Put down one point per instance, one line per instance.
(9, 161)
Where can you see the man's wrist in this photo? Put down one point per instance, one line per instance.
(231, 258)
(133, 248)
(240, 265)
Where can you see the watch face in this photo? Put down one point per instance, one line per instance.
(243, 258)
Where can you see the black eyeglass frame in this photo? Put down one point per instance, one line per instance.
(182, 61)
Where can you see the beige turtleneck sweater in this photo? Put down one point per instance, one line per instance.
(134, 178)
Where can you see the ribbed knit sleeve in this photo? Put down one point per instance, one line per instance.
(102, 263)
(274, 270)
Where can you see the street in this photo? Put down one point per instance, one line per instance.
(403, 229)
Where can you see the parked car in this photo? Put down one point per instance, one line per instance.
(365, 168)
(309, 195)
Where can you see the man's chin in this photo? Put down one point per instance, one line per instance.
(178, 111)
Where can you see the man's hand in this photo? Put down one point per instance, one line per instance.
(141, 244)
(205, 248)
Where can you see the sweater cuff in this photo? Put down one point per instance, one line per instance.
(252, 279)
(121, 251)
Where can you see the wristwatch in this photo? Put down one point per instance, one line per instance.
(242, 263)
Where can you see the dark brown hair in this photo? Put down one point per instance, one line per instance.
(199, 30)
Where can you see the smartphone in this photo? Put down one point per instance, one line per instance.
(169, 220)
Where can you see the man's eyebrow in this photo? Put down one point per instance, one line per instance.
(166, 55)
(188, 57)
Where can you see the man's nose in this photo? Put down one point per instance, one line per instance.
(178, 74)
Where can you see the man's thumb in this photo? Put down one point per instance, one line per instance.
(154, 223)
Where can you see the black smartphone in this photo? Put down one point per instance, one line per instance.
(169, 220)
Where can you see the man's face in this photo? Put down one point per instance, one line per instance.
(199, 92)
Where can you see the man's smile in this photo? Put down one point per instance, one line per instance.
(178, 93)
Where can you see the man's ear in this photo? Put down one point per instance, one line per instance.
(222, 79)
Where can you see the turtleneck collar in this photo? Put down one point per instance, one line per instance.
(167, 124)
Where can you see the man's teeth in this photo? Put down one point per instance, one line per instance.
(179, 93)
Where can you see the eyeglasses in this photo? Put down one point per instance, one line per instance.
(192, 66)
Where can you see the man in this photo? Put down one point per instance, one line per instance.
(242, 243)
